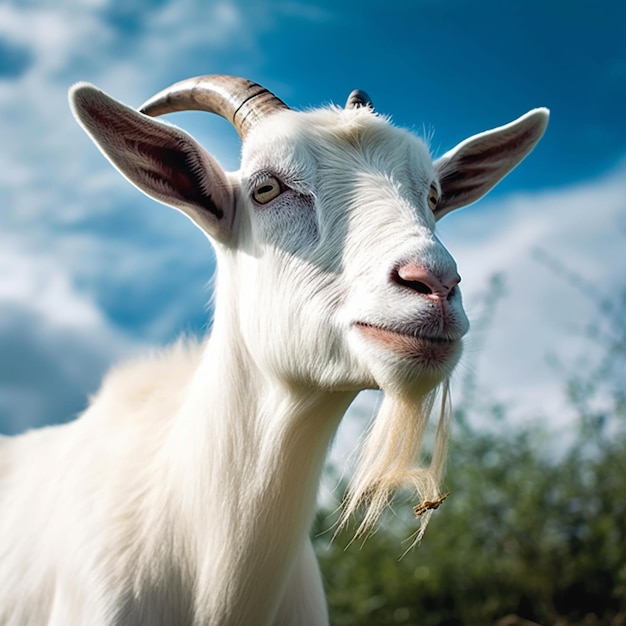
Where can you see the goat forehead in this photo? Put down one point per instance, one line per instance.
(303, 144)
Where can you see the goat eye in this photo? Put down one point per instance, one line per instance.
(266, 191)
(433, 198)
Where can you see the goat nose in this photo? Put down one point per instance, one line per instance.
(422, 280)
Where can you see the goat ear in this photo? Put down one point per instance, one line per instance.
(159, 159)
(470, 170)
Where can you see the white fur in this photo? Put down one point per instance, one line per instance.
(185, 493)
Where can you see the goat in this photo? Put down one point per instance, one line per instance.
(185, 492)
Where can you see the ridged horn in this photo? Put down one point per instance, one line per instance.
(358, 98)
(242, 102)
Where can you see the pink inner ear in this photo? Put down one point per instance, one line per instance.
(175, 168)
(480, 162)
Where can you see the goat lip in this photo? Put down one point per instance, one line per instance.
(408, 342)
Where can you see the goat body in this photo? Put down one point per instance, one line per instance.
(185, 492)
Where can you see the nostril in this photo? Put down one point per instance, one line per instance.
(453, 289)
(416, 278)
(420, 279)
(414, 285)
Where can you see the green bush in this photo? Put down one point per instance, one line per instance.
(520, 535)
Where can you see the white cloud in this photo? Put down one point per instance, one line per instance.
(53, 34)
(215, 25)
(56, 343)
(33, 277)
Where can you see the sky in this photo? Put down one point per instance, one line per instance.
(92, 272)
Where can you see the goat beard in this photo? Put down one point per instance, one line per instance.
(389, 458)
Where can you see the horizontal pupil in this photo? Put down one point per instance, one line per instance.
(265, 189)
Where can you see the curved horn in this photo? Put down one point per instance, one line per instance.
(358, 98)
(241, 101)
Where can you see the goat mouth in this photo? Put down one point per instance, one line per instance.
(432, 349)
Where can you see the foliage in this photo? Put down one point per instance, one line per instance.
(534, 532)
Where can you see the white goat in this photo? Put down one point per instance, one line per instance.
(185, 493)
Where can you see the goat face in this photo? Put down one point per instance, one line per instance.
(347, 265)
(326, 234)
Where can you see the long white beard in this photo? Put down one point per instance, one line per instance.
(390, 454)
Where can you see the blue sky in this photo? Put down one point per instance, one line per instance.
(91, 272)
